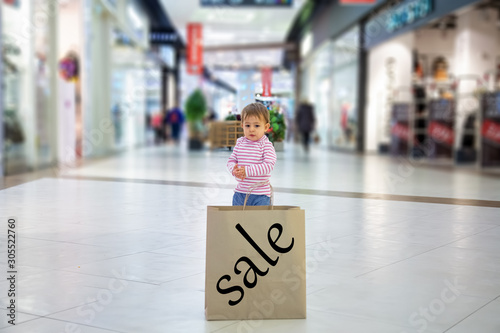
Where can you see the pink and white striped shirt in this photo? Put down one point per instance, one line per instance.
(258, 158)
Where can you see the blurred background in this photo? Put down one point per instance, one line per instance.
(83, 79)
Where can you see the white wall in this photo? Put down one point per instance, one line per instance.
(382, 80)
(434, 43)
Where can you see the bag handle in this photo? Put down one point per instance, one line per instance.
(253, 188)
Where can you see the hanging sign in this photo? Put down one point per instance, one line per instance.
(399, 16)
(194, 49)
(15, 3)
(407, 13)
(163, 37)
(267, 75)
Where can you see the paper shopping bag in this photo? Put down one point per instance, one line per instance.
(255, 263)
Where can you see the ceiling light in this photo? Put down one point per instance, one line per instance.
(135, 18)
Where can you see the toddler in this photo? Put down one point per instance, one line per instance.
(253, 158)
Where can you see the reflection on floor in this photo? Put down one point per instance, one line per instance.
(97, 255)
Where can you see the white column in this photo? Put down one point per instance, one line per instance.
(389, 68)
(53, 83)
(99, 132)
(476, 48)
(27, 110)
(1, 99)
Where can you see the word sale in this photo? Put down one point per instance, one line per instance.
(251, 265)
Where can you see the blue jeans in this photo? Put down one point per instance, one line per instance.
(253, 199)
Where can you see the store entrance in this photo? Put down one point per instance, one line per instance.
(434, 98)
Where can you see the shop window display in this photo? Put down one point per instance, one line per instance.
(433, 91)
(14, 133)
(490, 130)
(344, 124)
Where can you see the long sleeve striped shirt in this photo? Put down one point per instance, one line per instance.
(258, 158)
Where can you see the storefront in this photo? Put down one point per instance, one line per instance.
(28, 67)
(428, 73)
(122, 74)
(330, 83)
(18, 88)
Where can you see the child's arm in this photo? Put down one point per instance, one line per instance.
(233, 159)
(264, 168)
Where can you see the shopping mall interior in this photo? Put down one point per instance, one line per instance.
(120, 119)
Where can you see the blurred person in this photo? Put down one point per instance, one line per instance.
(253, 158)
(212, 116)
(156, 124)
(175, 118)
(289, 123)
(305, 122)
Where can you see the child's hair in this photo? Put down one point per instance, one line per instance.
(256, 110)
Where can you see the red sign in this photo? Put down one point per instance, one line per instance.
(441, 133)
(491, 130)
(267, 77)
(194, 49)
(401, 131)
(14, 3)
(357, 2)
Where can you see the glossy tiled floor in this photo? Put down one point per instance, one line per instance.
(119, 245)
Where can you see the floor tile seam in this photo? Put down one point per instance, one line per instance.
(150, 251)
(176, 255)
(479, 297)
(110, 258)
(183, 277)
(327, 240)
(233, 322)
(325, 193)
(369, 319)
(459, 237)
(104, 276)
(469, 315)
(79, 239)
(26, 313)
(419, 254)
(148, 181)
(76, 323)
(394, 197)
(398, 261)
(74, 242)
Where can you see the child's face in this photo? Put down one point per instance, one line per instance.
(254, 128)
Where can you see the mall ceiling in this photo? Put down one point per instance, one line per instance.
(236, 37)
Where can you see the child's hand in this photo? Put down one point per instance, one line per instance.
(239, 172)
(242, 173)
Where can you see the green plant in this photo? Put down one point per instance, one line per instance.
(196, 107)
(230, 117)
(278, 126)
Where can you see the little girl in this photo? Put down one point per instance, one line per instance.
(253, 158)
